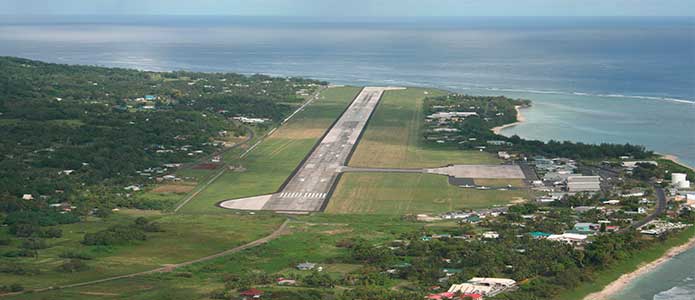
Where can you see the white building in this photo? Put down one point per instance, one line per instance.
(679, 180)
(570, 238)
(451, 114)
(583, 184)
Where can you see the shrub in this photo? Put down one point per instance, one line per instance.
(73, 254)
(114, 235)
(12, 288)
(72, 265)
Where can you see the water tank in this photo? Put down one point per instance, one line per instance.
(685, 184)
(676, 178)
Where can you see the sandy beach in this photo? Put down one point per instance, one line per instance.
(519, 119)
(624, 280)
(674, 159)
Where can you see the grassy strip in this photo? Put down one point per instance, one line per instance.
(184, 238)
(628, 265)
(394, 137)
(269, 164)
(389, 193)
(313, 238)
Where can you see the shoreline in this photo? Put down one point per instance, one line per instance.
(626, 279)
(519, 119)
(675, 159)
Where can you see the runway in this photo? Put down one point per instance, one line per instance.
(310, 186)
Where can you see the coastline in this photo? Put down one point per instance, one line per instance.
(519, 119)
(624, 280)
(675, 159)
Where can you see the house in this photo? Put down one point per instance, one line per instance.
(250, 120)
(445, 295)
(473, 219)
(306, 266)
(493, 281)
(583, 209)
(251, 294)
(633, 164)
(469, 288)
(498, 143)
(285, 281)
(490, 235)
(570, 238)
(586, 227)
(612, 228)
(451, 272)
(451, 115)
(445, 129)
(27, 197)
(539, 235)
(133, 188)
(483, 286)
(611, 202)
(66, 172)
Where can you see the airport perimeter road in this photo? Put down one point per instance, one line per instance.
(308, 189)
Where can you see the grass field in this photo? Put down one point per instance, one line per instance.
(184, 238)
(272, 161)
(389, 193)
(312, 238)
(393, 137)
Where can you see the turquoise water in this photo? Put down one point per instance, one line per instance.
(674, 280)
(663, 126)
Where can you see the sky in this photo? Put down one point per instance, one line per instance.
(346, 8)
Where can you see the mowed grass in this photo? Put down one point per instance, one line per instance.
(392, 193)
(394, 139)
(394, 136)
(185, 237)
(272, 161)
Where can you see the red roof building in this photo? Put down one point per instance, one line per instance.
(253, 293)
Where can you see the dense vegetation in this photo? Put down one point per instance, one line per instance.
(475, 131)
(77, 135)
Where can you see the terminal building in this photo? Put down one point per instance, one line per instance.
(577, 184)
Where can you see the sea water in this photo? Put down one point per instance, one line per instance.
(590, 79)
(674, 280)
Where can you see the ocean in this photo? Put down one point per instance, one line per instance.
(621, 79)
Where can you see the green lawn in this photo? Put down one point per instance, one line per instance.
(184, 238)
(393, 137)
(390, 193)
(269, 164)
(313, 239)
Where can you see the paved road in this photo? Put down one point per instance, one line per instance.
(660, 208)
(275, 234)
(308, 189)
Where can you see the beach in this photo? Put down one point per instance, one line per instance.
(519, 119)
(675, 159)
(624, 280)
